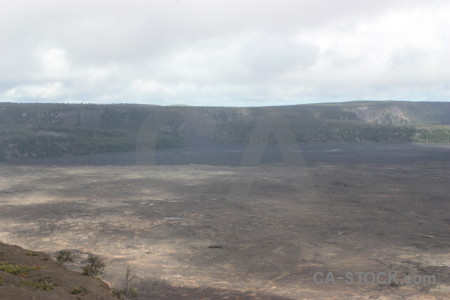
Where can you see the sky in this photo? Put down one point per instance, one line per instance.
(224, 52)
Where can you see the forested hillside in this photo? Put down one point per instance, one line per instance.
(37, 130)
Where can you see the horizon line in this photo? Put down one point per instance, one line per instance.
(220, 106)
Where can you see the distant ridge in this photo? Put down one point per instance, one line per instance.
(30, 130)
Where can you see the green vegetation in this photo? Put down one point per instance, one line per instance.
(15, 269)
(344, 131)
(45, 130)
(42, 284)
(435, 134)
(79, 290)
(328, 131)
(64, 256)
(127, 291)
(94, 267)
(26, 277)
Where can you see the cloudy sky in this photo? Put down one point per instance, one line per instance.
(224, 52)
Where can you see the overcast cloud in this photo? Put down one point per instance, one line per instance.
(204, 52)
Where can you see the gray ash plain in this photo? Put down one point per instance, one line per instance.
(230, 222)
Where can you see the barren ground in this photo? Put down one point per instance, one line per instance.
(228, 224)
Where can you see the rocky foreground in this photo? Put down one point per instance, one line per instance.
(33, 275)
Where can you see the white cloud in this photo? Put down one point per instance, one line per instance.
(53, 64)
(46, 91)
(231, 52)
